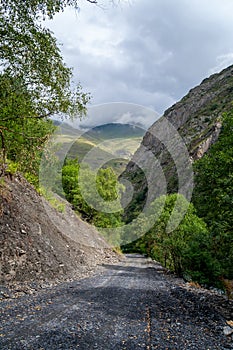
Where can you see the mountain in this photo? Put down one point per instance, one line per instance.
(197, 119)
(115, 130)
(114, 140)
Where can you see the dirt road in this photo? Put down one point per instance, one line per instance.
(131, 305)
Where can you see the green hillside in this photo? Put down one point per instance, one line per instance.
(115, 141)
(115, 131)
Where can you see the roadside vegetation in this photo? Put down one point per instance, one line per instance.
(201, 247)
(35, 83)
(103, 186)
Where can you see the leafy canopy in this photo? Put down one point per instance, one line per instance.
(108, 189)
(29, 54)
(35, 83)
(187, 249)
(213, 195)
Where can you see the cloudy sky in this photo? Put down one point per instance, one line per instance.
(146, 52)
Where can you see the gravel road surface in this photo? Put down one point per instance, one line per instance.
(133, 304)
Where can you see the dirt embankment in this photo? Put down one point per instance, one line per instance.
(37, 243)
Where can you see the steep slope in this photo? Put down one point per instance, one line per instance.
(38, 242)
(197, 119)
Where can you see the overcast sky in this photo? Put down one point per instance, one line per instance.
(147, 52)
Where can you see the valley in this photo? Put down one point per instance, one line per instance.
(116, 193)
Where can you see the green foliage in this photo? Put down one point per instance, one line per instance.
(12, 167)
(106, 183)
(213, 195)
(201, 247)
(31, 58)
(35, 9)
(35, 83)
(55, 202)
(185, 250)
(80, 190)
(23, 140)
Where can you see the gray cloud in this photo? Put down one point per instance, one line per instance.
(146, 52)
(118, 112)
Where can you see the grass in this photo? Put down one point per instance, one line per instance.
(55, 202)
(114, 153)
(101, 149)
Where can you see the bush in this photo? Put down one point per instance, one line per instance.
(213, 195)
(187, 250)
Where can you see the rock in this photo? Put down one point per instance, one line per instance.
(4, 295)
(196, 117)
(227, 330)
(230, 323)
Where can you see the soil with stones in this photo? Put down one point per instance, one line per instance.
(132, 304)
(39, 243)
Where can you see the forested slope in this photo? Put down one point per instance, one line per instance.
(200, 247)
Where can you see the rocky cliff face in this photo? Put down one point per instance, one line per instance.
(197, 120)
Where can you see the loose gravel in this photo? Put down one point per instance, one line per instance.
(132, 304)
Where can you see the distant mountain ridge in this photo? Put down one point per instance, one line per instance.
(106, 131)
(115, 130)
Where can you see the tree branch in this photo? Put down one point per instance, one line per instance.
(27, 117)
(3, 147)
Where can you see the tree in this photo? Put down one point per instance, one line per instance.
(213, 194)
(187, 249)
(107, 188)
(29, 53)
(35, 82)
